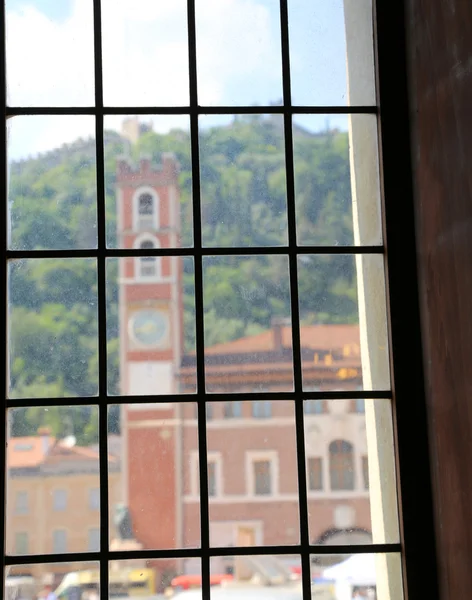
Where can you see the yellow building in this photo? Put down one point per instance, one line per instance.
(53, 498)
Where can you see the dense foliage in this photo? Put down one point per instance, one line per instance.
(53, 302)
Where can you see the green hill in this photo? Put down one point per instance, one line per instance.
(53, 205)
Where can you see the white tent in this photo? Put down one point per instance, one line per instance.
(358, 570)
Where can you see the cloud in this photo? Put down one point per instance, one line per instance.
(145, 59)
(48, 62)
(238, 52)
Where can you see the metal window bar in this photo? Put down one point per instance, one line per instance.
(3, 296)
(304, 548)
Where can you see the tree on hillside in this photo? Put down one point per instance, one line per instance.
(52, 203)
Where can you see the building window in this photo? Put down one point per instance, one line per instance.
(147, 267)
(359, 406)
(233, 409)
(314, 407)
(21, 503)
(262, 409)
(315, 474)
(59, 500)
(341, 465)
(146, 211)
(59, 541)
(262, 477)
(94, 499)
(94, 539)
(21, 542)
(146, 208)
(365, 471)
(212, 479)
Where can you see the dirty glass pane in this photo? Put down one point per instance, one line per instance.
(145, 53)
(151, 325)
(248, 329)
(52, 191)
(349, 467)
(238, 52)
(370, 576)
(154, 503)
(323, 36)
(64, 580)
(242, 171)
(336, 352)
(252, 475)
(154, 578)
(52, 478)
(337, 186)
(52, 328)
(49, 53)
(148, 157)
(277, 574)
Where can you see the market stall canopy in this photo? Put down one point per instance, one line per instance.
(358, 569)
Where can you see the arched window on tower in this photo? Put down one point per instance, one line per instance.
(146, 210)
(148, 267)
(341, 465)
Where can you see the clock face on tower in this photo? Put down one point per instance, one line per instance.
(149, 328)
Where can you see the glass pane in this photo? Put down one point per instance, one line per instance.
(337, 191)
(343, 328)
(153, 500)
(238, 50)
(53, 464)
(247, 324)
(362, 576)
(255, 463)
(151, 325)
(49, 53)
(148, 157)
(65, 580)
(351, 473)
(242, 164)
(52, 328)
(145, 53)
(322, 34)
(52, 183)
(259, 576)
(153, 578)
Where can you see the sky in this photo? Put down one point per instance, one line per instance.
(145, 60)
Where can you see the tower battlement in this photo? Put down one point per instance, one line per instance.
(145, 171)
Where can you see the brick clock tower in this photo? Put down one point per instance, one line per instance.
(150, 314)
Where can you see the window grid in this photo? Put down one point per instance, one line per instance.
(198, 252)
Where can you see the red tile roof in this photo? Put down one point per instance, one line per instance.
(316, 337)
(32, 451)
(27, 451)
